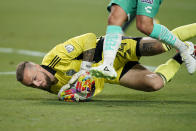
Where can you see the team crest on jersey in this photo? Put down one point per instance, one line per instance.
(69, 48)
(70, 72)
(147, 1)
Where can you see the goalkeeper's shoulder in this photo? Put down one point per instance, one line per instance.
(84, 37)
(90, 35)
(85, 41)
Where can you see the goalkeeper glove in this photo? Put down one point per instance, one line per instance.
(69, 94)
(85, 66)
(82, 90)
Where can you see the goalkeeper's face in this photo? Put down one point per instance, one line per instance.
(35, 76)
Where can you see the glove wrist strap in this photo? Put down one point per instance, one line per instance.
(85, 65)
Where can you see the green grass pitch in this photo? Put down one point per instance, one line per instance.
(38, 25)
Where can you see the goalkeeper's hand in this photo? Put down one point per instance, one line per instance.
(85, 66)
(69, 94)
(82, 90)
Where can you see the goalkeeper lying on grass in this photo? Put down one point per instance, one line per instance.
(64, 69)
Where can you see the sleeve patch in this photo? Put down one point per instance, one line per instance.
(69, 48)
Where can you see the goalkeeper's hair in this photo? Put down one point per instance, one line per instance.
(20, 70)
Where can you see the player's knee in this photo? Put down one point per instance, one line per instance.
(154, 84)
(144, 27)
(114, 20)
(117, 16)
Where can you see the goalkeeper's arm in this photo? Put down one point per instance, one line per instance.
(85, 65)
(89, 45)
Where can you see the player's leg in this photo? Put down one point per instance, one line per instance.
(171, 67)
(149, 46)
(128, 22)
(144, 21)
(111, 43)
(140, 78)
(185, 32)
(137, 77)
(186, 49)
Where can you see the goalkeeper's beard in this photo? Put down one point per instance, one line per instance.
(49, 82)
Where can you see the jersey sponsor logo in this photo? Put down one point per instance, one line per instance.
(69, 48)
(147, 1)
(148, 9)
(54, 61)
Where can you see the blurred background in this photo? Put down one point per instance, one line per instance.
(40, 25)
(30, 28)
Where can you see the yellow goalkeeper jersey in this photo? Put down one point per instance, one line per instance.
(65, 59)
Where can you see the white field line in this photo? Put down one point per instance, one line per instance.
(33, 53)
(8, 73)
(22, 52)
